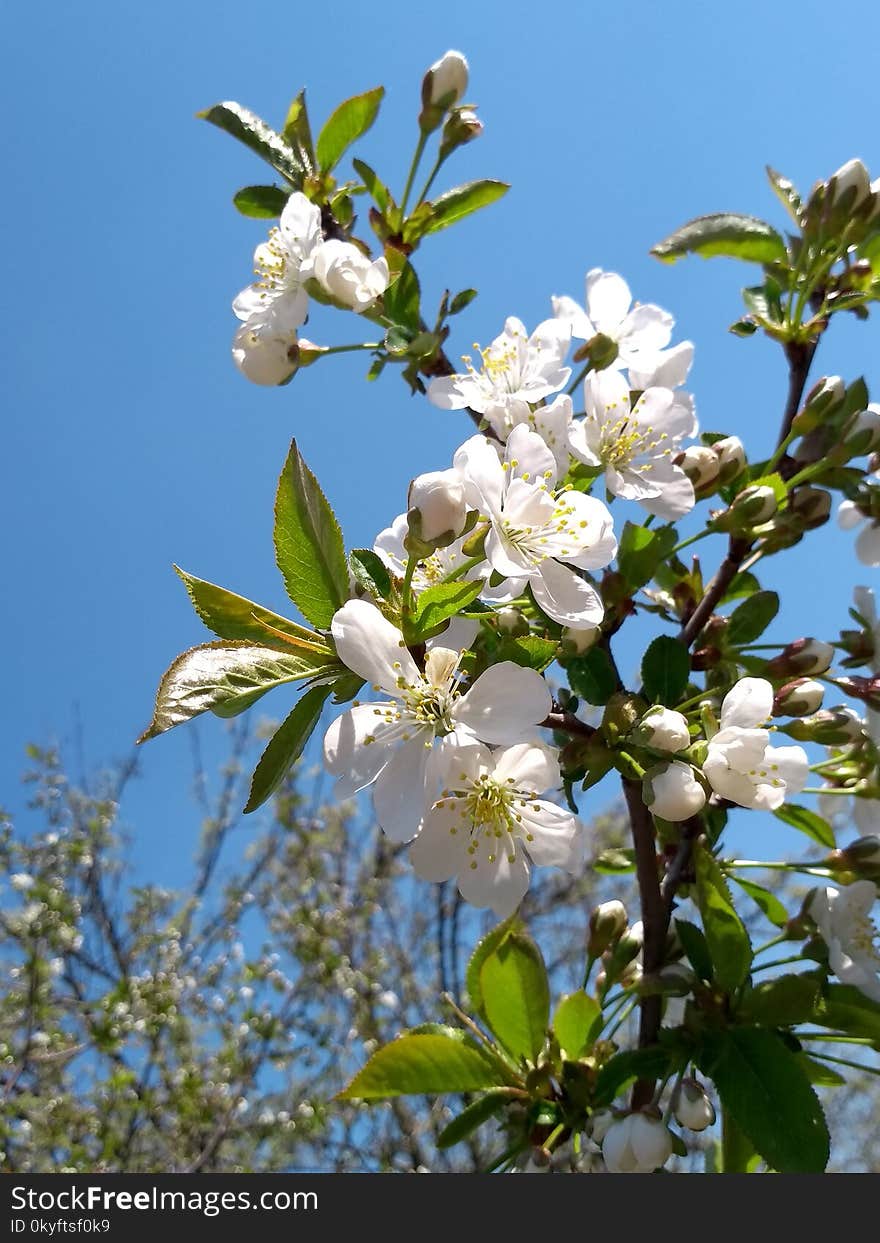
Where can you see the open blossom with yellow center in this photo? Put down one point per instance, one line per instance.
(283, 263)
(740, 764)
(391, 742)
(639, 331)
(490, 821)
(635, 443)
(538, 537)
(508, 376)
(843, 918)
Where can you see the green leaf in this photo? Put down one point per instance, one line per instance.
(253, 131)
(818, 1073)
(434, 605)
(781, 1002)
(209, 676)
(786, 193)
(233, 617)
(376, 188)
(744, 584)
(371, 572)
(475, 1115)
(530, 651)
(615, 861)
(725, 932)
(641, 551)
(844, 1008)
(240, 703)
(516, 995)
(298, 133)
(776, 484)
(402, 299)
(461, 300)
(462, 201)
(484, 947)
(260, 202)
(725, 233)
(308, 544)
(592, 676)
(767, 901)
(749, 620)
(806, 821)
(763, 1085)
(666, 667)
(345, 125)
(650, 1063)
(574, 1023)
(416, 1062)
(286, 746)
(695, 947)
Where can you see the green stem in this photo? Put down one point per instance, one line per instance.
(779, 962)
(692, 539)
(843, 1061)
(834, 1038)
(769, 944)
(622, 1017)
(347, 349)
(803, 869)
(413, 169)
(438, 164)
(579, 378)
(779, 453)
(406, 600)
(463, 569)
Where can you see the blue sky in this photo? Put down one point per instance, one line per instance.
(131, 442)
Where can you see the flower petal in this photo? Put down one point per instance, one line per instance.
(501, 883)
(608, 300)
(504, 704)
(371, 647)
(400, 798)
(868, 544)
(438, 852)
(748, 704)
(554, 835)
(566, 597)
(349, 757)
(528, 766)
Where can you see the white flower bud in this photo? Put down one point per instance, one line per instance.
(673, 792)
(731, 457)
(664, 730)
(607, 924)
(755, 504)
(804, 657)
(265, 348)
(439, 498)
(861, 434)
(511, 621)
(700, 465)
(448, 76)
(580, 641)
(798, 698)
(636, 1144)
(349, 275)
(852, 174)
(693, 1109)
(599, 1125)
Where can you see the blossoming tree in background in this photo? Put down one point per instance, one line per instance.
(471, 651)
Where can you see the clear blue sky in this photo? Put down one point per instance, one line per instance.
(130, 440)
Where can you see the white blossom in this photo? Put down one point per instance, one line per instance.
(843, 918)
(516, 371)
(391, 742)
(664, 730)
(740, 764)
(850, 516)
(639, 331)
(265, 347)
(349, 275)
(673, 792)
(635, 444)
(284, 263)
(439, 498)
(490, 821)
(636, 1144)
(852, 176)
(448, 77)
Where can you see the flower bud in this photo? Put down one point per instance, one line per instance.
(731, 458)
(664, 730)
(811, 505)
(621, 713)
(754, 505)
(598, 1125)
(439, 498)
(442, 87)
(636, 1144)
(348, 275)
(510, 621)
(576, 642)
(830, 727)
(701, 466)
(672, 791)
(863, 850)
(798, 698)
(803, 657)
(462, 126)
(619, 961)
(823, 398)
(607, 924)
(851, 177)
(676, 979)
(693, 1109)
(265, 348)
(861, 433)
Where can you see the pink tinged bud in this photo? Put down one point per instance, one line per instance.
(636, 1144)
(852, 175)
(664, 730)
(804, 656)
(700, 464)
(798, 698)
(693, 1109)
(447, 79)
(439, 498)
(673, 791)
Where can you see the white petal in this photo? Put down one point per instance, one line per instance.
(448, 392)
(346, 754)
(438, 853)
(553, 834)
(668, 369)
(646, 329)
(529, 457)
(606, 396)
(371, 647)
(399, 797)
(566, 597)
(504, 704)
(789, 764)
(505, 559)
(866, 605)
(501, 884)
(608, 300)
(479, 464)
(868, 544)
(748, 704)
(849, 515)
(676, 492)
(458, 635)
(567, 309)
(528, 766)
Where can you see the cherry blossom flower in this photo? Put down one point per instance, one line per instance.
(639, 331)
(843, 918)
(265, 347)
(535, 536)
(740, 764)
(391, 741)
(635, 444)
(673, 791)
(389, 545)
(636, 1144)
(850, 515)
(284, 263)
(516, 371)
(490, 821)
(349, 275)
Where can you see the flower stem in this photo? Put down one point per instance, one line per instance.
(463, 569)
(692, 539)
(413, 169)
(579, 378)
(779, 962)
(842, 1061)
(440, 161)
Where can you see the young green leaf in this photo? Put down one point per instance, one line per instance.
(725, 932)
(298, 133)
(749, 620)
(666, 667)
(260, 202)
(575, 1022)
(808, 822)
(763, 1085)
(592, 676)
(416, 1062)
(767, 901)
(516, 995)
(371, 572)
(650, 1063)
(530, 651)
(484, 947)
(233, 617)
(402, 299)
(253, 131)
(695, 947)
(345, 125)
(455, 204)
(480, 1111)
(781, 1002)
(725, 233)
(845, 1009)
(308, 544)
(641, 551)
(285, 746)
(209, 676)
(376, 188)
(434, 605)
(786, 193)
